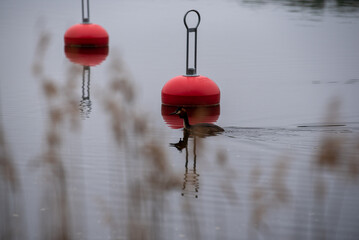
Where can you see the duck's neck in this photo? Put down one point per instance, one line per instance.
(186, 124)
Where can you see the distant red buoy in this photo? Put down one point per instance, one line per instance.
(86, 34)
(191, 89)
(195, 115)
(86, 56)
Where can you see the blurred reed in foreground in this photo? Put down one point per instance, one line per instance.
(62, 106)
(11, 224)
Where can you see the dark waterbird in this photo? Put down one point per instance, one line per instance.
(199, 128)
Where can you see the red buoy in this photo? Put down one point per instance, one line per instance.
(191, 89)
(86, 34)
(86, 56)
(195, 115)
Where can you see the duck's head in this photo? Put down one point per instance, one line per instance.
(181, 112)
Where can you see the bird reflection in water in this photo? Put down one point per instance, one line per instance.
(191, 177)
(85, 105)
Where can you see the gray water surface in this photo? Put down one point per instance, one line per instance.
(286, 166)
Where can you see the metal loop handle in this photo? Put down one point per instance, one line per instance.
(193, 70)
(185, 17)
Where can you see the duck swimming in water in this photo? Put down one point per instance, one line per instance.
(199, 128)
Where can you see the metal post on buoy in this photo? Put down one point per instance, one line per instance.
(87, 18)
(191, 71)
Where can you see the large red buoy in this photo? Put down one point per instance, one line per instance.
(86, 34)
(195, 115)
(191, 89)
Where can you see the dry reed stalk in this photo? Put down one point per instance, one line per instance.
(332, 169)
(11, 223)
(268, 199)
(7, 169)
(61, 106)
(230, 177)
(149, 174)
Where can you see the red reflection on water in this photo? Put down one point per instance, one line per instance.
(195, 115)
(86, 56)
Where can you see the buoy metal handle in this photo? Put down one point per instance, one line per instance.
(85, 19)
(185, 21)
(191, 71)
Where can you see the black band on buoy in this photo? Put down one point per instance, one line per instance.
(192, 71)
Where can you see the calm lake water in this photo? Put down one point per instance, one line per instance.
(286, 167)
